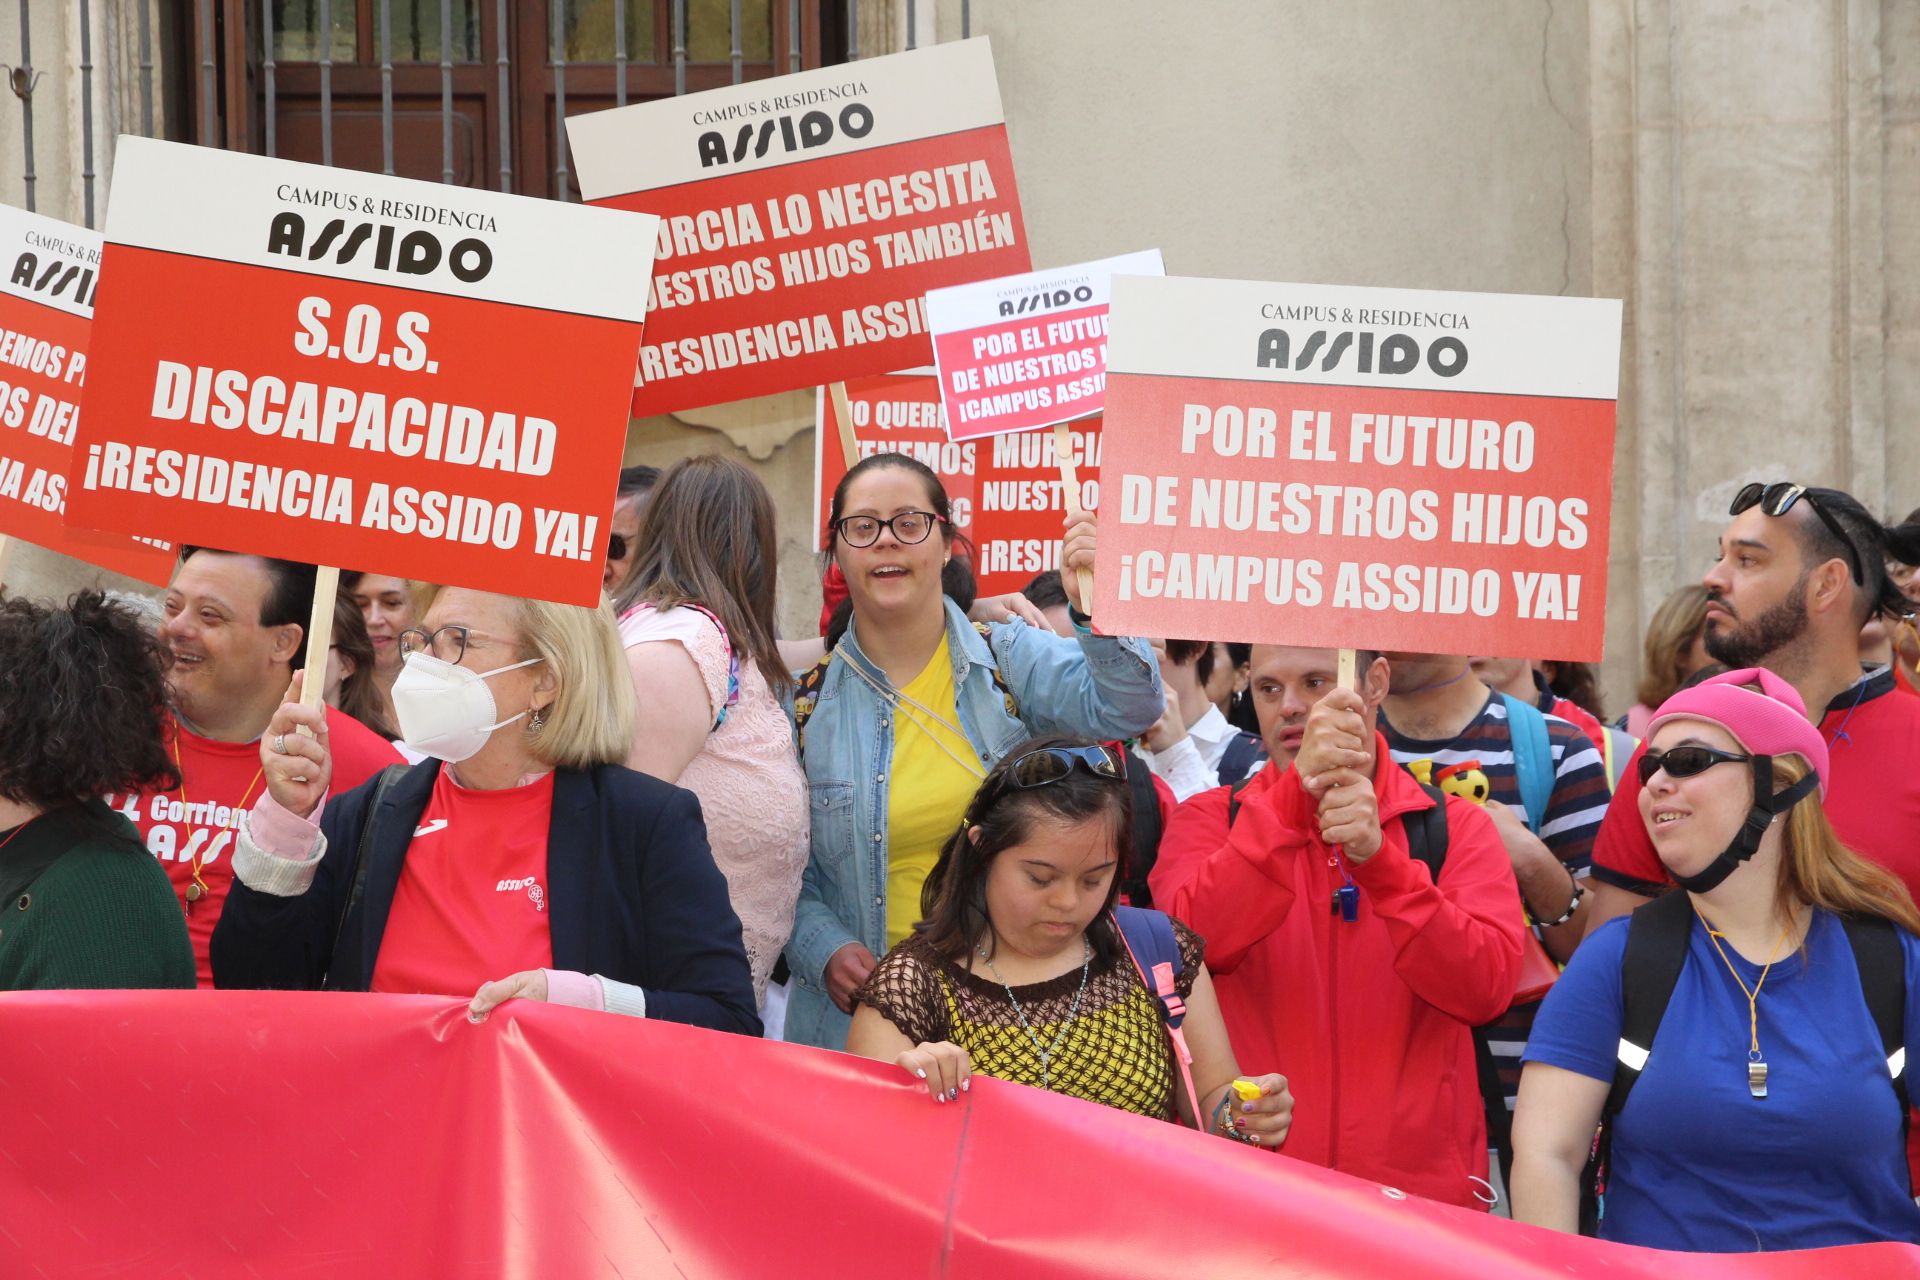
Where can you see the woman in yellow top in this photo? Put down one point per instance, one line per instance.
(901, 721)
(1020, 970)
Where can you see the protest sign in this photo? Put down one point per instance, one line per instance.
(1027, 351)
(1007, 495)
(48, 273)
(1342, 467)
(804, 218)
(566, 1142)
(350, 369)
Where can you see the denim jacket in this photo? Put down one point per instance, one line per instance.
(1095, 686)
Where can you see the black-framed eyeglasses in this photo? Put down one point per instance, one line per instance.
(1778, 499)
(1685, 762)
(1045, 765)
(616, 546)
(909, 528)
(449, 643)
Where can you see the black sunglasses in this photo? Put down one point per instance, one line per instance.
(1778, 499)
(1045, 765)
(1684, 762)
(616, 546)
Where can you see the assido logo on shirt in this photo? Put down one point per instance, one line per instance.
(535, 894)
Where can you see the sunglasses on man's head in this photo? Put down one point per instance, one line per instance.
(1684, 762)
(1778, 499)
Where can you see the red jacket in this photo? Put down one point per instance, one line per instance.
(1370, 1021)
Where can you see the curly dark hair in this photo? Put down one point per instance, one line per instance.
(82, 702)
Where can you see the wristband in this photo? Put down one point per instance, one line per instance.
(1579, 892)
(1082, 622)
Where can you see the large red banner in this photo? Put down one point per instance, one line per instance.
(1006, 491)
(48, 273)
(317, 1134)
(804, 218)
(1361, 468)
(358, 370)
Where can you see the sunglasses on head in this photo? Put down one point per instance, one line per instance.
(1778, 499)
(1044, 765)
(1685, 762)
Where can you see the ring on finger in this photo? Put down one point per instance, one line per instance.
(280, 744)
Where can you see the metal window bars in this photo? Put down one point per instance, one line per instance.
(206, 21)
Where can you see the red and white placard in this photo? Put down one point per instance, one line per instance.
(48, 273)
(351, 369)
(804, 218)
(1027, 351)
(1359, 468)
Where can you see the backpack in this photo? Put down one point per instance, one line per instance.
(1243, 753)
(1532, 758)
(1616, 747)
(1147, 826)
(1657, 940)
(1155, 951)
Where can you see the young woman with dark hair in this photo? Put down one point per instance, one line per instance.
(696, 616)
(83, 713)
(901, 721)
(387, 607)
(351, 666)
(1020, 970)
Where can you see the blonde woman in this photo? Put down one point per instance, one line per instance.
(524, 846)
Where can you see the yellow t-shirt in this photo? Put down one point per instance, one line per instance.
(929, 790)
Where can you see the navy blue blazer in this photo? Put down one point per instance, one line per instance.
(632, 889)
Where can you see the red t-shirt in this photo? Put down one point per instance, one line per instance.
(472, 901)
(219, 782)
(1873, 797)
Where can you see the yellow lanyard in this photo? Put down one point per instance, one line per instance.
(1756, 1065)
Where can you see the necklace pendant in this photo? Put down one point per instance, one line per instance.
(195, 892)
(1757, 1078)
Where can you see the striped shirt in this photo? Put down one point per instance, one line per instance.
(1574, 810)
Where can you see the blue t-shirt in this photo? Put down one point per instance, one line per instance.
(1699, 1163)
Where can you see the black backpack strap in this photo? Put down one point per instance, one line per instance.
(1233, 800)
(1883, 980)
(1146, 831)
(1650, 966)
(361, 857)
(1243, 752)
(1427, 832)
(1657, 937)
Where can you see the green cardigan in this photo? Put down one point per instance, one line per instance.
(102, 915)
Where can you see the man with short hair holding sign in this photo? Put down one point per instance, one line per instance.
(1347, 937)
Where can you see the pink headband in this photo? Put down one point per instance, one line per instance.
(1770, 722)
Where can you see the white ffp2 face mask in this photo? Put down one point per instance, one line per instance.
(447, 711)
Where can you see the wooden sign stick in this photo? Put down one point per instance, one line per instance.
(6, 549)
(1344, 677)
(326, 586)
(1070, 488)
(849, 448)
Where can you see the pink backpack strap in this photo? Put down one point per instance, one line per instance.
(1161, 983)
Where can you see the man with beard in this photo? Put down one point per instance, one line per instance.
(1799, 573)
